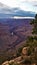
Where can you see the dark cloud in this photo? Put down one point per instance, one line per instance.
(35, 5)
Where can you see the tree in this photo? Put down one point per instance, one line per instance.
(19, 51)
(32, 41)
(34, 23)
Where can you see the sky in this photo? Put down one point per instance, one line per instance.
(26, 5)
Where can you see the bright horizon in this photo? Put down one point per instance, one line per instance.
(26, 5)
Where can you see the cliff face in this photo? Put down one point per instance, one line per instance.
(13, 34)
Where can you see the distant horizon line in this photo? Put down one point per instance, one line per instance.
(18, 17)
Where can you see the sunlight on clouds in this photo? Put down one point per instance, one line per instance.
(27, 5)
(30, 0)
(15, 3)
(10, 3)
